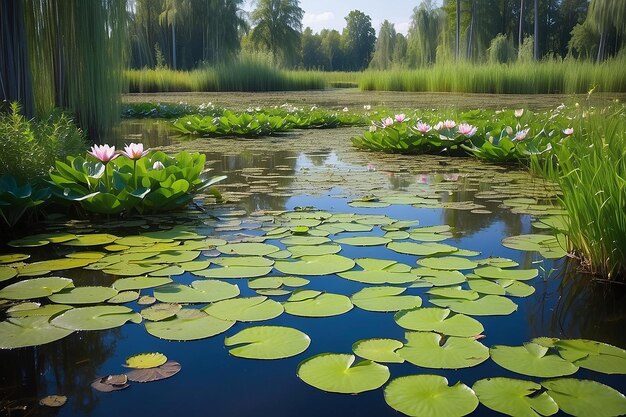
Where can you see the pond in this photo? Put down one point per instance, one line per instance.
(311, 192)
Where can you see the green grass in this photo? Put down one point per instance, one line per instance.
(590, 168)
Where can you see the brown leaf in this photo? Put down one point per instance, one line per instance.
(110, 383)
(168, 369)
(53, 400)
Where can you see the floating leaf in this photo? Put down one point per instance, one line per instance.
(168, 369)
(385, 299)
(95, 318)
(311, 250)
(145, 360)
(515, 397)
(95, 239)
(124, 297)
(430, 395)
(421, 249)
(336, 373)
(43, 267)
(304, 240)
(489, 305)
(320, 305)
(439, 320)
(315, 265)
(34, 288)
(531, 359)
(582, 398)
(204, 291)
(265, 283)
(7, 272)
(83, 295)
(188, 324)
(9, 258)
(597, 356)
(245, 309)
(547, 245)
(160, 311)
(431, 350)
(53, 401)
(448, 263)
(268, 342)
(484, 286)
(248, 249)
(364, 241)
(440, 278)
(512, 274)
(110, 383)
(33, 309)
(379, 350)
(16, 332)
(139, 283)
(453, 292)
(291, 281)
(145, 300)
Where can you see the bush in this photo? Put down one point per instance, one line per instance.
(501, 50)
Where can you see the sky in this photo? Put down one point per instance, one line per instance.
(330, 14)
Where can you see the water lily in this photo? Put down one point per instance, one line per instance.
(373, 128)
(518, 113)
(103, 153)
(521, 135)
(367, 107)
(467, 129)
(568, 131)
(438, 126)
(400, 117)
(388, 121)
(423, 128)
(134, 151)
(158, 165)
(345, 109)
(449, 124)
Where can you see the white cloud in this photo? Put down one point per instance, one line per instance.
(312, 18)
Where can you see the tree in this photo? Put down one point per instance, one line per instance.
(311, 49)
(383, 49)
(173, 11)
(331, 48)
(424, 32)
(358, 39)
(277, 26)
(606, 16)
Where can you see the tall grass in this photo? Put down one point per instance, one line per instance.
(590, 168)
(546, 77)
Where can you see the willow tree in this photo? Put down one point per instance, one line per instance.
(424, 33)
(73, 59)
(604, 16)
(383, 49)
(277, 27)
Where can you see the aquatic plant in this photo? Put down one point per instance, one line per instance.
(168, 110)
(18, 199)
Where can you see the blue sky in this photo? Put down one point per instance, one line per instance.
(329, 14)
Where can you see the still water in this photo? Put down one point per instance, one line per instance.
(320, 170)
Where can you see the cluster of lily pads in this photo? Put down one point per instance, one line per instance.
(495, 136)
(278, 264)
(141, 181)
(168, 110)
(262, 122)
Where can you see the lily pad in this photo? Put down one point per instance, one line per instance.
(257, 308)
(440, 278)
(16, 332)
(83, 295)
(311, 250)
(448, 263)
(512, 274)
(35, 309)
(265, 283)
(385, 299)
(160, 311)
(43, 267)
(489, 305)
(53, 400)
(515, 397)
(110, 383)
(439, 320)
(205, 291)
(364, 241)
(9, 258)
(320, 305)
(268, 342)
(547, 245)
(145, 360)
(7, 272)
(304, 240)
(597, 356)
(453, 292)
(337, 373)
(431, 350)
(95, 239)
(421, 249)
(124, 297)
(379, 350)
(315, 265)
(430, 395)
(188, 324)
(248, 249)
(34, 288)
(95, 318)
(581, 398)
(236, 271)
(139, 283)
(531, 359)
(168, 369)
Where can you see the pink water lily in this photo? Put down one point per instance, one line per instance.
(521, 135)
(467, 129)
(388, 121)
(423, 128)
(134, 151)
(400, 117)
(568, 131)
(103, 153)
(449, 124)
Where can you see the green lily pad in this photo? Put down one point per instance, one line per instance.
(337, 373)
(318, 305)
(291, 281)
(439, 320)
(531, 359)
(489, 305)
(234, 272)
(319, 250)
(34, 288)
(421, 249)
(83, 295)
(195, 265)
(257, 308)
(485, 286)
(440, 278)
(581, 398)
(499, 262)
(268, 342)
(272, 292)
(597, 356)
(368, 204)
(453, 292)
(339, 227)
(265, 283)
(188, 324)
(248, 249)
(379, 350)
(430, 395)
(161, 311)
(140, 240)
(379, 277)
(431, 350)
(515, 397)
(493, 272)
(385, 299)
(448, 263)
(548, 246)
(34, 309)
(363, 241)
(139, 283)
(7, 272)
(124, 297)
(315, 265)
(397, 235)
(131, 269)
(95, 239)
(516, 288)
(95, 318)
(304, 240)
(204, 291)
(16, 332)
(9, 258)
(43, 267)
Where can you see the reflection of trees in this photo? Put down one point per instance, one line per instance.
(66, 367)
(152, 133)
(573, 305)
(318, 158)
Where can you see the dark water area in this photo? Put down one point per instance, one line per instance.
(323, 172)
